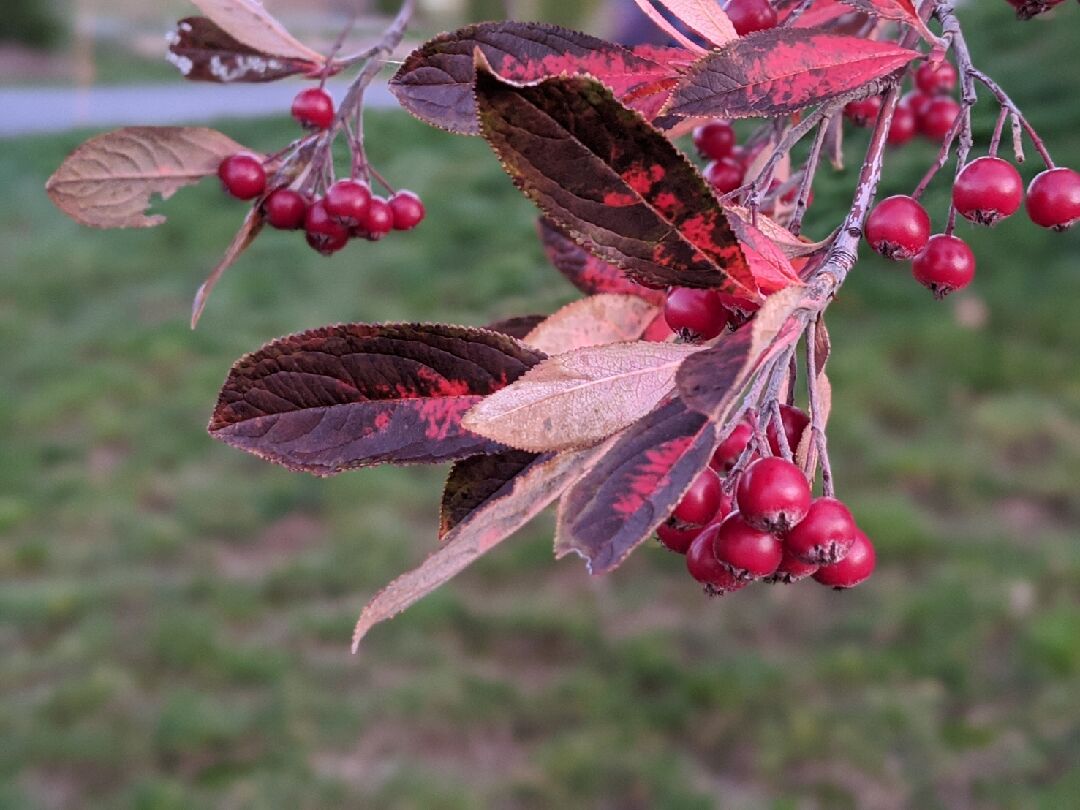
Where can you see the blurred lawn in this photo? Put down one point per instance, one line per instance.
(176, 614)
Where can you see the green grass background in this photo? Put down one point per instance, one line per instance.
(174, 615)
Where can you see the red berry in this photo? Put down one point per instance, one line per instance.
(988, 190)
(324, 232)
(746, 155)
(1053, 199)
(732, 447)
(348, 201)
(694, 314)
(748, 16)
(945, 265)
(792, 569)
(676, 538)
(773, 495)
(934, 80)
(824, 535)
(702, 501)
(916, 102)
(939, 117)
(856, 567)
(714, 140)
(408, 210)
(898, 228)
(795, 421)
(701, 562)
(863, 112)
(747, 552)
(313, 108)
(904, 126)
(243, 175)
(725, 174)
(286, 209)
(379, 220)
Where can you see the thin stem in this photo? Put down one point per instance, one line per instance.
(817, 428)
(809, 170)
(999, 128)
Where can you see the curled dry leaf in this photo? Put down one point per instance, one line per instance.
(793, 247)
(252, 227)
(203, 52)
(579, 398)
(594, 321)
(108, 182)
(705, 17)
(248, 22)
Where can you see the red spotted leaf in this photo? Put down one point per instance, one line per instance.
(612, 182)
(473, 482)
(203, 52)
(436, 82)
(903, 11)
(782, 70)
(343, 397)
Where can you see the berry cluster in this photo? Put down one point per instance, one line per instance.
(929, 109)
(748, 16)
(772, 529)
(347, 208)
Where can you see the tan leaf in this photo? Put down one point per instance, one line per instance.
(593, 321)
(109, 180)
(248, 22)
(579, 398)
(773, 316)
(244, 237)
(705, 17)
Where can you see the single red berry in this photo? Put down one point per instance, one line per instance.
(904, 126)
(379, 220)
(702, 501)
(714, 140)
(748, 16)
(935, 80)
(795, 421)
(792, 569)
(243, 175)
(856, 567)
(916, 102)
(1053, 199)
(824, 536)
(746, 155)
(408, 210)
(898, 228)
(988, 190)
(864, 112)
(747, 552)
(773, 495)
(677, 538)
(701, 562)
(939, 118)
(725, 174)
(348, 201)
(945, 265)
(694, 314)
(313, 108)
(286, 209)
(324, 232)
(732, 447)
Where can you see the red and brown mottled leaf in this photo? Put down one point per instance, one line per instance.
(793, 247)
(611, 181)
(594, 321)
(203, 52)
(782, 70)
(634, 486)
(436, 81)
(252, 227)
(473, 482)
(903, 11)
(518, 326)
(248, 22)
(343, 397)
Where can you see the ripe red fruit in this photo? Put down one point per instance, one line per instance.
(243, 175)
(939, 117)
(795, 421)
(856, 567)
(408, 210)
(864, 112)
(695, 314)
(714, 140)
(748, 16)
(916, 102)
(379, 220)
(701, 562)
(1053, 199)
(732, 447)
(324, 232)
(898, 228)
(348, 201)
(702, 501)
(286, 209)
(904, 126)
(313, 108)
(773, 495)
(988, 190)
(945, 265)
(747, 552)
(824, 535)
(934, 80)
(725, 174)
(676, 538)
(792, 569)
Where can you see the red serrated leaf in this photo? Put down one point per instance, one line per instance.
(203, 52)
(612, 182)
(474, 482)
(902, 11)
(343, 397)
(782, 70)
(436, 81)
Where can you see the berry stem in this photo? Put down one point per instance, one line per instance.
(809, 170)
(999, 128)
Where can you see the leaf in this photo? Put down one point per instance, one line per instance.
(594, 321)
(586, 272)
(517, 327)
(500, 515)
(793, 247)
(252, 227)
(820, 14)
(203, 52)
(633, 488)
(579, 398)
(771, 267)
(903, 11)
(705, 17)
(473, 482)
(248, 22)
(782, 70)
(612, 182)
(436, 81)
(109, 180)
(343, 397)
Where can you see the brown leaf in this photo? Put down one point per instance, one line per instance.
(516, 327)
(109, 180)
(248, 22)
(580, 398)
(253, 225)
(203, 52)
(593, 321)
(473, 482)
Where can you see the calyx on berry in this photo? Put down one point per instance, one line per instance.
(824, 536)
(856, 567)
(773, 495)
(695, 314)
(747, 552)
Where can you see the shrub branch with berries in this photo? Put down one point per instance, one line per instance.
(664, 402)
